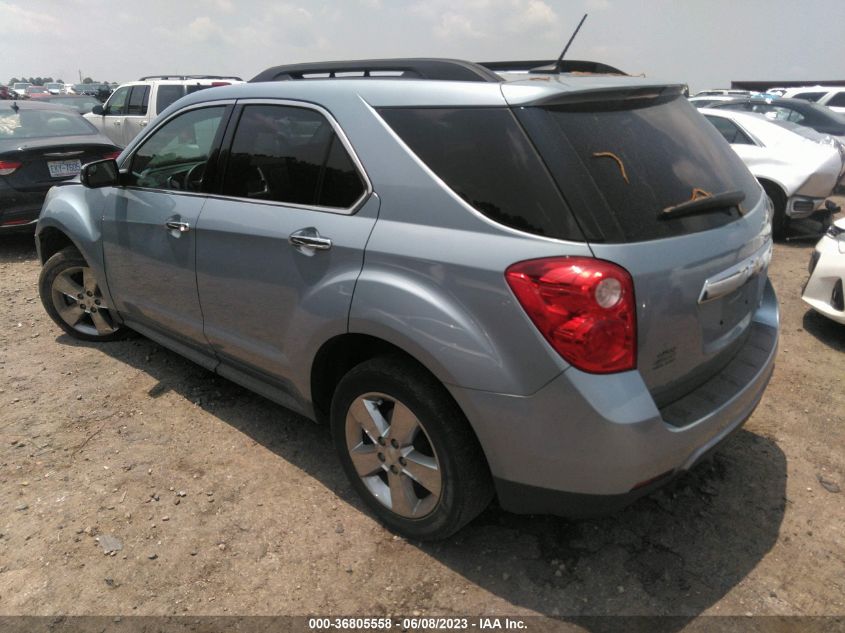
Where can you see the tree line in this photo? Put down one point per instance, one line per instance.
(40, 81)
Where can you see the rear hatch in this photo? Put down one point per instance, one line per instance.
(622, 158)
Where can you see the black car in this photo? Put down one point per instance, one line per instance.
(41, 144)
(811, 115)
(81, 103)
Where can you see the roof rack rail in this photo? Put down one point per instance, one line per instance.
(184, 77)
(548, 66)
(400, 68)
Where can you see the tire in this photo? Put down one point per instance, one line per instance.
(780, 221)
(430, 481)
(71, 296)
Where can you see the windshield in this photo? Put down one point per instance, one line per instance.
(42, 124)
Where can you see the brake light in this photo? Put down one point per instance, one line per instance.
(8, 167)
(584, 308)
(112, 155)
(214, 84)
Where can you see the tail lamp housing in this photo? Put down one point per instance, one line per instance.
(8, 167)
(584, 307)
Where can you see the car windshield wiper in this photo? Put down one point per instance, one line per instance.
(703, 203)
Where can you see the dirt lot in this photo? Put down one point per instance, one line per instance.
(216, 501)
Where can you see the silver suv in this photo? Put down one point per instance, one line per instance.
(545, 286)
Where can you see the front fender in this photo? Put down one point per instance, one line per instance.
(75, 212)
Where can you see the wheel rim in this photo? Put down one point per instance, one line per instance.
(393, 455)
(80, 304)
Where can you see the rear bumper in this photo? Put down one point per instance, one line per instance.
(588, 444)
(19, 209)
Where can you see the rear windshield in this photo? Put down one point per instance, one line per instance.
(484, 156)
(42, 123)
(620, 163)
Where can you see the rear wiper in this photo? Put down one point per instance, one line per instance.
(702, 202)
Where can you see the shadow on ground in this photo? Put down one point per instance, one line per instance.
(825, 330)
(675, 553)
(16, 246)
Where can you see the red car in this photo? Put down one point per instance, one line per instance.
(4, 92)
(37, 92)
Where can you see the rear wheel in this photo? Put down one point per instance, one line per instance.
(71, 296)
(408, 450)
(780, 221)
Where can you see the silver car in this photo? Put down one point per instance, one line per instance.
(548, 287)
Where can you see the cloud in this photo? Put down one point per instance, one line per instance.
(203, 29)
(26, 21)
(455, 25)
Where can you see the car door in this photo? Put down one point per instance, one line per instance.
(279, 251)
(114, 110)
(149, 222)
(136, 113)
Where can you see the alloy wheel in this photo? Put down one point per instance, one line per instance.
(80, 304)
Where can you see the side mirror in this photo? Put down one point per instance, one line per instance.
(98, 109)
(100, 173)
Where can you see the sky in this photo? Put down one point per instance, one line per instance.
(705, 43)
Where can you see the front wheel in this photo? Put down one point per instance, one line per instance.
(408, 450)
(71, 296)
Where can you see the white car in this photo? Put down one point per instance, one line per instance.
(831, 96)
(797, 167)
(703, 102)
(823, 291)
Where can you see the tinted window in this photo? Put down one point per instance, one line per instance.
(620, 163)
(291, 155)
(42, 123)
(837, 100)
(175, 156)
(729, 130)
(483, 155)
(782, 113)
(168, 94)
(810, 96)
(138, 101)
(117, 102)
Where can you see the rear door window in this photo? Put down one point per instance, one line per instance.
(621, 162)
(484, 156)
(138, 99)
(168, 94)
(729, 130)
(290, 155)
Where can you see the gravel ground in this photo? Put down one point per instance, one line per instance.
(134, 482)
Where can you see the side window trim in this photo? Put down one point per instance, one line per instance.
(228, 139)
(213, 161)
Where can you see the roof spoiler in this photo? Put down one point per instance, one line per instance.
(554, 67)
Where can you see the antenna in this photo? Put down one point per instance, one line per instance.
(569, 43)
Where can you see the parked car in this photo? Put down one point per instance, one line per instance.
(41, 144)
(831, 96)
(81, 103)
(19, 88)
(723, 92)
(706, 102)
(35, 92)
(806, 113)
(133, 105)
(5, 93)
(823, 291)
(457, 272)
(55, 88)
(797, 167)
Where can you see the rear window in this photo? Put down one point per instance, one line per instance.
(810, 96)
(42, 123)
(484, 156)
(620, 163)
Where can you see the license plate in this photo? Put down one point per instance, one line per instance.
(64, 168)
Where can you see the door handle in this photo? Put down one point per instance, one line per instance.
(117, 123)
(143, 124)
(309, 238)
(176, 225)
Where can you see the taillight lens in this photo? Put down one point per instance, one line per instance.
(584, 307)
(112, 155)
(8, 167)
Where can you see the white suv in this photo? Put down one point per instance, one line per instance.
(831, 96)
(133, 105)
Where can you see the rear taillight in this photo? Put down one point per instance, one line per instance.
(112, 155)
(8, 167)
(214, 84)
(584, 307)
